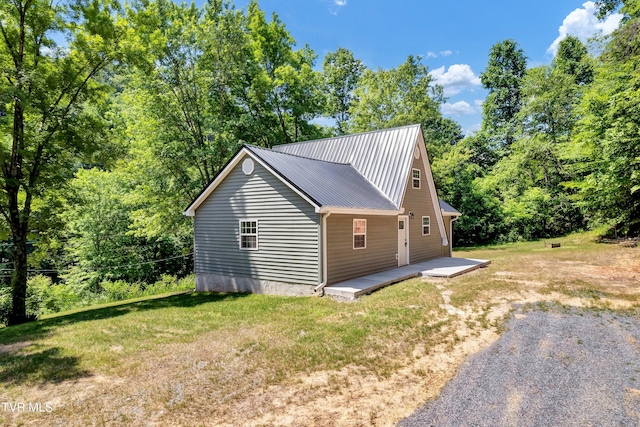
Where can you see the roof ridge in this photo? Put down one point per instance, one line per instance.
(348, 136)
(299, 156)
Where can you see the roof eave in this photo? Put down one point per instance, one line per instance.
(360, 211)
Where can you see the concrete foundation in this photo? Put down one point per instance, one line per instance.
(207, 282)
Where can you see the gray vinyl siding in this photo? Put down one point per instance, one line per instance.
(418, 201)
(287, 230)
(344, 262)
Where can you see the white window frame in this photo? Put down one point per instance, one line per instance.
(241, 234)
(419, 178)
(353, 239)
(427, 225)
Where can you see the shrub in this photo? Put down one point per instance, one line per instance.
(120, 290)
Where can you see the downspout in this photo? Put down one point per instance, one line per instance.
(320, 287)
(453, 219)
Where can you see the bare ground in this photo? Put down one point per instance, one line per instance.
(173, 386)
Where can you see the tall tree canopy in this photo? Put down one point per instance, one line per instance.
(342, 73)
(607, 151)
(45, 90)
(503, 78)
(401, 96)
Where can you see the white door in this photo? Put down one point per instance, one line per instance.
(403, 240)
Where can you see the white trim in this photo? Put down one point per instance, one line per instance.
(447, 213)
(422, 225)
(358, 211)
(240, 221)
(324, 268)
(432, 189)
(191, 210)
(419, 179)
(353, 233)
(407, 254)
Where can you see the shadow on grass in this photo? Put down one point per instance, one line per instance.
(38, 367)
(38, 329)
(21, 360)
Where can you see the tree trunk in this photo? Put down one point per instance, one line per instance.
(19, 282)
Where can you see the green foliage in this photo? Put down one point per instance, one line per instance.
(503, 78)
(572, 59)
(457, 174)
(402, 96)
(48, 93)
(607, 152)
(630, 8)
(46, 297)
(43, 297)
(342, 73)
(102, 238)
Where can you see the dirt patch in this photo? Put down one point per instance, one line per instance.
(207, 381)
(348, 398)
(6, 348)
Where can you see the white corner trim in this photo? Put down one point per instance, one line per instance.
(432, 188)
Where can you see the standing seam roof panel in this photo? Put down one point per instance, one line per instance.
(377, 155)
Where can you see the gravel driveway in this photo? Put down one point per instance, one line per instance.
(551, 368)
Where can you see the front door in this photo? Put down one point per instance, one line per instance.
(403, 240)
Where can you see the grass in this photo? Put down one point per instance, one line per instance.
(192, 358)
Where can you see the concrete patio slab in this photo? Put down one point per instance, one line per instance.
(438, 267)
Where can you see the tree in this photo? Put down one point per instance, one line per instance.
(402, 96)
(607, 146)
(101, 241)
(45, 90)
(503, 78)
(572, 59)
(282, 90)
(341, 72)
(630, 8)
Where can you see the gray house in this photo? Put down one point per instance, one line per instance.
(301, 216)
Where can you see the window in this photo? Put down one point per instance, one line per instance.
(359, 233)
(415, 175)
(249, 234)
(426, 225)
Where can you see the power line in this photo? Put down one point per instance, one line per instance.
(148, 262)
(107, 268)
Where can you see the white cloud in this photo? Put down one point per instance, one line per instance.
(432, 55)
(457, 78)
(470, 130)
(446, 53)
(338, 4)
(460, 108)
(583, 24)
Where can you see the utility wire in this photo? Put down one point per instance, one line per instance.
(148, 262)
(108, 268)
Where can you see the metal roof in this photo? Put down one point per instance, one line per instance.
(330, 184)
(448, 209)
(383, 157)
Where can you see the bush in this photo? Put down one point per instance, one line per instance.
(120, 290)
(5, 303)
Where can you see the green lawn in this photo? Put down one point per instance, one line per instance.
(204, 349)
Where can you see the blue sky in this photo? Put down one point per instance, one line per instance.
(453, 37)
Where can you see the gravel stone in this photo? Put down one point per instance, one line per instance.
(564, 367)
